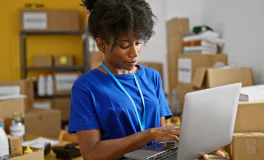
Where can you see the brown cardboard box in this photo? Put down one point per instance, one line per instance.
(45, 123)
(175, 45)
(49, 20)
(187, 64)
(177, 27)
(212, 77)
(248, 146)
(37, 154)
(63, 61)
(7, 107)
(182, 89)
(172, 71)
(250, 117)
(96, 59)
(63, 104)
(26, 88)
(6, 124)
(42, 61)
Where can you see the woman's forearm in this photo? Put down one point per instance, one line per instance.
(116, 148)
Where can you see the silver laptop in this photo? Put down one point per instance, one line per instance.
(208, 121)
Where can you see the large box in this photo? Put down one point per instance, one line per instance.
(187, 64)
(45, 123)
(63, 104)
(175, 45)
(26, 88)
(213, 77)
(61, 61)
(8, 107)
(42, 61)
(250, 117)
(177, 27)
(248, 146)
(49, 20)
(172, 71)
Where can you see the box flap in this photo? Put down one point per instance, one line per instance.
(218, 77)
(199, 77)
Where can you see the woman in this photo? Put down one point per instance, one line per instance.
(119, 106)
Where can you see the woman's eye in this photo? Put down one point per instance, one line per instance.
(124, 47)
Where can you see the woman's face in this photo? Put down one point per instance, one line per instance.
(123, 55)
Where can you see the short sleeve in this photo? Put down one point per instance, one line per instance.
(164, 108)
(82, 112)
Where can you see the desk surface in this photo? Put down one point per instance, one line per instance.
(51, 155)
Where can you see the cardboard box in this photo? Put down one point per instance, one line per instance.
(187, 64)
(63, 82)
(172, 71)
(63, 104)
(42, 61)
(26, 88)
(175, 44)
(250, 117)
(45, 123)
(212, 77)
(182, 89)
(96, 59)
(7, 107)
(37, 154)
(247, 146)
(60, 61)
(49, 20)
(177, 27)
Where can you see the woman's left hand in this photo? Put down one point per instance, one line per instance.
(217, 153)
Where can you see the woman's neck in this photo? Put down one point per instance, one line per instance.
(115, 70)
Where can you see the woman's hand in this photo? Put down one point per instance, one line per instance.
(162, 134)
(217, 153)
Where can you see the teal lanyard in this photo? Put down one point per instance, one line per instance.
(141, 123)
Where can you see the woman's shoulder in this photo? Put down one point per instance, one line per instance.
(149, 71)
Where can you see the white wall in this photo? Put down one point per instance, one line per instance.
(156, 48)
(242, 26)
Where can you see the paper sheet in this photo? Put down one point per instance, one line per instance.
(39, 142)
(185, 70)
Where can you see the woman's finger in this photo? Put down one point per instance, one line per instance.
(205, 156)
(218, 153)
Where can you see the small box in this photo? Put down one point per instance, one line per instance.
(42, 61)
(63, 82)
(7, 107)
(63, 61)
(63, 104)
(43, 122)
(49, 20)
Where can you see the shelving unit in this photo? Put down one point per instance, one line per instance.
(23, 51)
(23, 56)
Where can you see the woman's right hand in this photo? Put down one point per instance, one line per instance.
(162, 134)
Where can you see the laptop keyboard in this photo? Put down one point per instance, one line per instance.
(167, 155)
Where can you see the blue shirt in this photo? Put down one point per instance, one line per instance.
(97, 102)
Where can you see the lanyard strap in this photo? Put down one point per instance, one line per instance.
(141, 123)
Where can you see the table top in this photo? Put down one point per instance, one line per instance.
(51, 155)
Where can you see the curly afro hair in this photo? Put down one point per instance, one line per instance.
(110, 17)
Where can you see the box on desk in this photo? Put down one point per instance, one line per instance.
(63, 104)
(247, 146)
(37, 154)
(41, 122)
(8, 107)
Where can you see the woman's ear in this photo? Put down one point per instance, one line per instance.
(100, 44)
